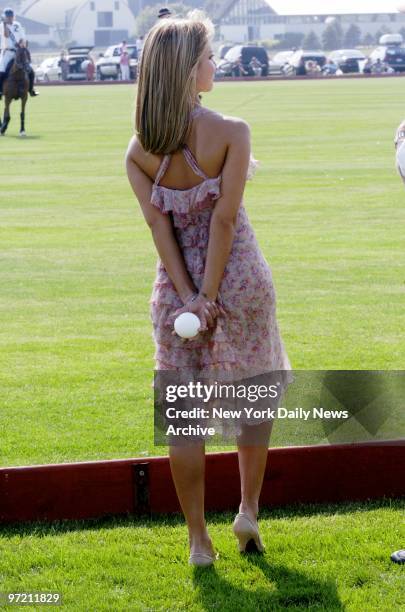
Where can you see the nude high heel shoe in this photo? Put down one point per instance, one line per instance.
(247, 533)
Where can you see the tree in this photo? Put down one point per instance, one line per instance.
(290, 40)
(352, 36)
(368, 40)
(332, 36)
(148, 16)
(383, 30)
(311, 41)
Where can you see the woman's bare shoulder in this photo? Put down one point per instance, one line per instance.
(135, 148)
(137, 153)
(224, 126)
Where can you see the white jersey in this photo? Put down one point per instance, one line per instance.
(18, 32)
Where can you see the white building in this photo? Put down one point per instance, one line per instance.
(246, 20)
(86, 22)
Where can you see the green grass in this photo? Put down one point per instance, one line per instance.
(78, 261)
(324, 558)
(76, 354)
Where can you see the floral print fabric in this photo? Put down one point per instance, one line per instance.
(247, 342)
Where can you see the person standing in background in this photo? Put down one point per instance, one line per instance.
(90, 68)
(64, 66)
(164, 12)
(124, 65)
(139, 47)
(398, 556)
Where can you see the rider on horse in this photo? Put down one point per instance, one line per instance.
(12, 35)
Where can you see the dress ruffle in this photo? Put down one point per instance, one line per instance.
(186, 201)
(253, 166)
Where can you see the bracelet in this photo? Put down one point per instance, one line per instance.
(191, 298)
(206, 297)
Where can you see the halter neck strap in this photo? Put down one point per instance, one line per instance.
(162, 168)
(192, 162)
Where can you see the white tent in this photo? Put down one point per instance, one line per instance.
(334, 7)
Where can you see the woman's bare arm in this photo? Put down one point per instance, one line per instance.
(223, 218)
(160, 225)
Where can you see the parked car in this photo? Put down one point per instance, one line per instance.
(279, 61)
(297, 62)
(348, 60)
(108, 65)
(390, 52)
(223, 49)
(49, 70)
(244, 61)
(75, 58)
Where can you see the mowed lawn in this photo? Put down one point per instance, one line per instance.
(78, 260)
(331, 558)
(76, 274)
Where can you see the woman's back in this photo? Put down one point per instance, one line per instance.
(207, 143)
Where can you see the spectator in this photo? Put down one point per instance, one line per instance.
(329, 68)
(239, 69)
(398, 556)
(164, 12)
(90, 68)
(367, 66)
(256, 65)
(124, 65)
(312, 68)
(64, 66)
(378, 67)
(139, 46)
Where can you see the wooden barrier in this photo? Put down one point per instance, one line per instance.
(305, 474)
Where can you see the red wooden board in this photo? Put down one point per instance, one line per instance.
(324, 473)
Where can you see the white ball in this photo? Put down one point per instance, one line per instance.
(187, 325)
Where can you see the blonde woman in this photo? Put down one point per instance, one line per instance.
(187, 166)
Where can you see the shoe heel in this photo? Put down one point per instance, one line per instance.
(247, 535)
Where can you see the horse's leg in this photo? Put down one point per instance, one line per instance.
(22, 116)
(6, 119)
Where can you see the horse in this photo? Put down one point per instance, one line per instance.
(16, 87)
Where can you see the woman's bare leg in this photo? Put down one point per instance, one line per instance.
(187, 465)
(252, 463)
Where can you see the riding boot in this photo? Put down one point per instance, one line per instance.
(1, 83)
(31, 77)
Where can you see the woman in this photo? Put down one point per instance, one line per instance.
(188, 166)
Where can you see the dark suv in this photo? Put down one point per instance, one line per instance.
(243, 60)
(392, 55)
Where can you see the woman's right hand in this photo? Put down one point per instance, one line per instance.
(206, 310)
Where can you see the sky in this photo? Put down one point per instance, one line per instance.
(308, 7)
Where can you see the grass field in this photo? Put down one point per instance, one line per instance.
(78, 261)
(319, 558)
(76, 367)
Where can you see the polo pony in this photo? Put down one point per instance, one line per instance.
(16, 87)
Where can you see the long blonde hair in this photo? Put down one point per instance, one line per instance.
(167, 80)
